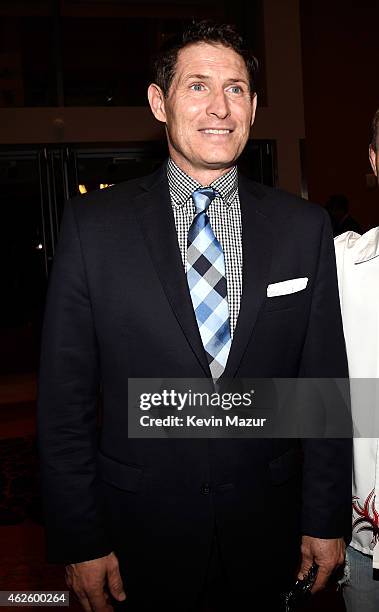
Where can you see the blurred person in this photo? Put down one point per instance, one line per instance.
(358, 274)
(190, 524)
(342, 221)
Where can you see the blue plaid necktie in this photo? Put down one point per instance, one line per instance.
(207, 284)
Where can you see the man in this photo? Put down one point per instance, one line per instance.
(358, 273)
(186, 524)
(342, 221)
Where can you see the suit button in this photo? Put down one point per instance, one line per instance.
(205, 488)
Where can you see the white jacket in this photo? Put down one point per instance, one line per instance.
(358, 278)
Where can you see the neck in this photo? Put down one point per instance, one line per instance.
(203, 176)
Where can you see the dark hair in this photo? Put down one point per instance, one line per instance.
(375, 131)
(205, 31)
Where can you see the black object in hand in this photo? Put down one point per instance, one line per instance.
(301, 591)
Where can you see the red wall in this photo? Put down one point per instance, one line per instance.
(341, 93)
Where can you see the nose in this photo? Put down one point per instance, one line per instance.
(218, 105)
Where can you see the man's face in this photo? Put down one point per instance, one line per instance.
(208, 110)
(374, 160)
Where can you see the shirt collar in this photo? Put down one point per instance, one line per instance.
(367, 246)
(182, 185)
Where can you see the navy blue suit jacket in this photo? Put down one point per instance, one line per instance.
(118, 306)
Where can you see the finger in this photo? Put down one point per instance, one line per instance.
(83, 600)
(115, 584)
(98, 601)
(323, 575)
(341, 559)
(306, 564)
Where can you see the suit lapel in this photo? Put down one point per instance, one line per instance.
(257, 243)
(154, 214)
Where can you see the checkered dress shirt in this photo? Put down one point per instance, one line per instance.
(225, 218)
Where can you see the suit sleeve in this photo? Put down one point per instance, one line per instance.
(69, 380)
(327, 466)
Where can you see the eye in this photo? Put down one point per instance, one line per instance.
(197, 87)
(236, 89)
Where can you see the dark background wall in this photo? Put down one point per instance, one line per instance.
(340, 42)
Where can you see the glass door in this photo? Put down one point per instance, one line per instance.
(102, 167)
(23, 261)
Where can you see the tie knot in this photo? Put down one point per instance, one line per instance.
(203, 197)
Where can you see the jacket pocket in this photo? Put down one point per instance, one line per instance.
(285, 302)
(120, 475)
(285, 466)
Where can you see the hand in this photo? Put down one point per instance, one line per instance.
(328, 554)
(89, 579)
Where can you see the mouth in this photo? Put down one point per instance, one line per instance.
(215, 131)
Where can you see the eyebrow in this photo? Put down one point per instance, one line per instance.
(201, 77)
(204, 77)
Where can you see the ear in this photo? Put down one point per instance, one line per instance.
(156, 101)
(372, 156)
(253, 108)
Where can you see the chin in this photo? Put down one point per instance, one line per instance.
(217, 160)
(219, 164)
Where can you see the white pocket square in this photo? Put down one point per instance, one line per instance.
(285, 287)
